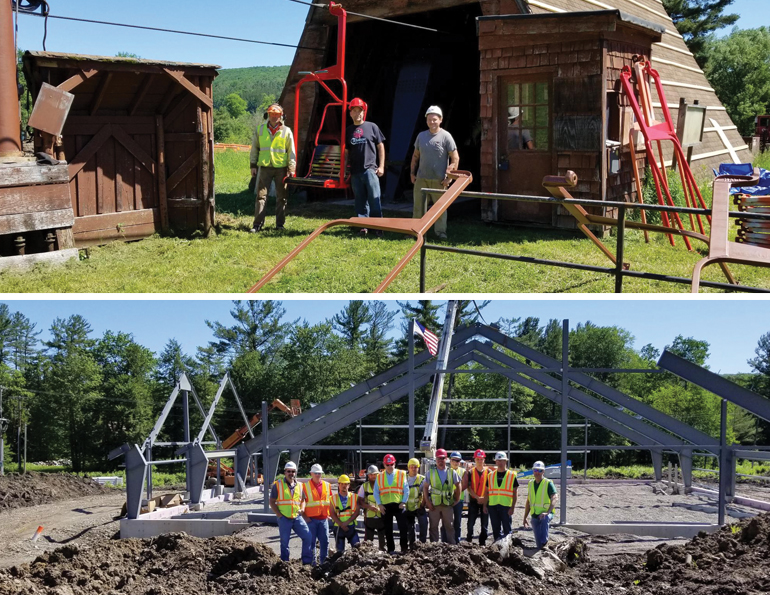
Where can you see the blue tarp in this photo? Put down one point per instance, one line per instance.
(746, 169)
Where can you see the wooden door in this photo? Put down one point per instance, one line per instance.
(525, 141)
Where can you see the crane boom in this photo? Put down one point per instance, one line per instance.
(428, 442)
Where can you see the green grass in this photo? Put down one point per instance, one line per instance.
(643, 471)
(159, 479)
(340, 261)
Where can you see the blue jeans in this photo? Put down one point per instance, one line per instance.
(499, 519)
(476, 511)
(285, 527)
(366, 189)
(422, 523)
(319, 530)
(457, 512)
(351, 536)
(540, 529)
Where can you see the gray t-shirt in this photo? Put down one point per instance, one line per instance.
(434, 153)
(518, 139)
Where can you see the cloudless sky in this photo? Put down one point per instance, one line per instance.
(279, 21)
(732, 327)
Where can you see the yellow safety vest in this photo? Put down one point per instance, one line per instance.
(442, 494)
(460, 472)
(348, 512)
(391, 493)
(369, 493)
(501, 494)
(287, 503)
(317, 506)
(273, 150)
(540, 501)
(415, 493)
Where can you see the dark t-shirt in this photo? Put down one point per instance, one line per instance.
(551, 487)
(501, 476)
(361, 142)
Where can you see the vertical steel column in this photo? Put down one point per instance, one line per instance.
(723, 466)
(360, 445)
(266, 483)
(411, 385)
(25, 448)
(508, 448)
(423, 263)
(149, 470)
(564, 418)
(2, 436)
(10, 125)
(585, 452)
(186, 429)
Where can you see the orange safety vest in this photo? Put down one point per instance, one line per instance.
(317, 506)
(479, 486)
(391, 493)
(345, 514)
(502, 494)
(288, 504)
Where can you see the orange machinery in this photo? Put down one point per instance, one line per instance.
(227, 473)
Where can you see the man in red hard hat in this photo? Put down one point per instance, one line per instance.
(365, 158)
(391, 492)
(272, 159)
(440, 493)
(475, 481)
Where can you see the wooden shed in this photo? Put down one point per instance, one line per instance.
(138, 142)
(558, 74)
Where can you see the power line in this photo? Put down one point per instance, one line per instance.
(162, 30)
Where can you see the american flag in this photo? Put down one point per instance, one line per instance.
(431, 340)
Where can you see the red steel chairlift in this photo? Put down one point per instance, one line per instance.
(327, 165)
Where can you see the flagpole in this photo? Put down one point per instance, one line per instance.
(411, 389)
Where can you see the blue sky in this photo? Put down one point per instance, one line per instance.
(279, 21)
(723, 323)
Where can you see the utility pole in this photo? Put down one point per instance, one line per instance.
(3, 428)
(10, 125)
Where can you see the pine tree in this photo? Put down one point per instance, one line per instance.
(696, 21)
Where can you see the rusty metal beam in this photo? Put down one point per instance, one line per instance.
(10, 125)
(414, 227)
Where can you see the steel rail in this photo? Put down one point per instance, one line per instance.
(414, 227)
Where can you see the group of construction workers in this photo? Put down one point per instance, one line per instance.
(273, 159)
(432, 503)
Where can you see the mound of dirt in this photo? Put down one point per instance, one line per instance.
(34, 488)
(735, 559)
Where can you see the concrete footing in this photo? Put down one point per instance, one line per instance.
(143, 528)
(664, 531)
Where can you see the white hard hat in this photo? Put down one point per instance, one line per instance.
(538, 466)
(372, 469)
(290, 465)
(434, 109)
(316, 469)
(513, 113)
(501, 456)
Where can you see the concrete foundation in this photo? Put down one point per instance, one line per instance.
(664, 531)
(143, 528)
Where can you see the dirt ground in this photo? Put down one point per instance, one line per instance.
(32, 489)
(77, 554)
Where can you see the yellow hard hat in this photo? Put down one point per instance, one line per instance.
(343, 479)
(413, 462)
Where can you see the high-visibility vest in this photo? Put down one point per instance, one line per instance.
(273, 150)
(540, 501)
(369, 493)
(347, 512)
(479, 486)
(501, 494)
(390, 493)
(287, 503)
(415, 493)
(460, 472)
(317, 504)
(442, 494)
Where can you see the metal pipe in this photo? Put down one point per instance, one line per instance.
(10, 125)
(723, 454)
(423, 264)
(2, 435)
(266, 479)
(564, 418)
(585, 459)
(619, 250)
(186, 430)
(597, 269)
(509, 421)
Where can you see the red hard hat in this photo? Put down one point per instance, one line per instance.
(357, 102)
(389, 460)
(479, 454)
(441, 453)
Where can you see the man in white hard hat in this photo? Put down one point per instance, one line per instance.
(287, 500)
(372, 517)
(318, 495)
(502, 497)
(435, 154)
(518, 138)
(541, 500)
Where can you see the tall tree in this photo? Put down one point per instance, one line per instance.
(739, 71)
(351, 322)
(258, 328)
(426, 313)
(761, 365)
(376, 343)
(696, 20)
(692, 350)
